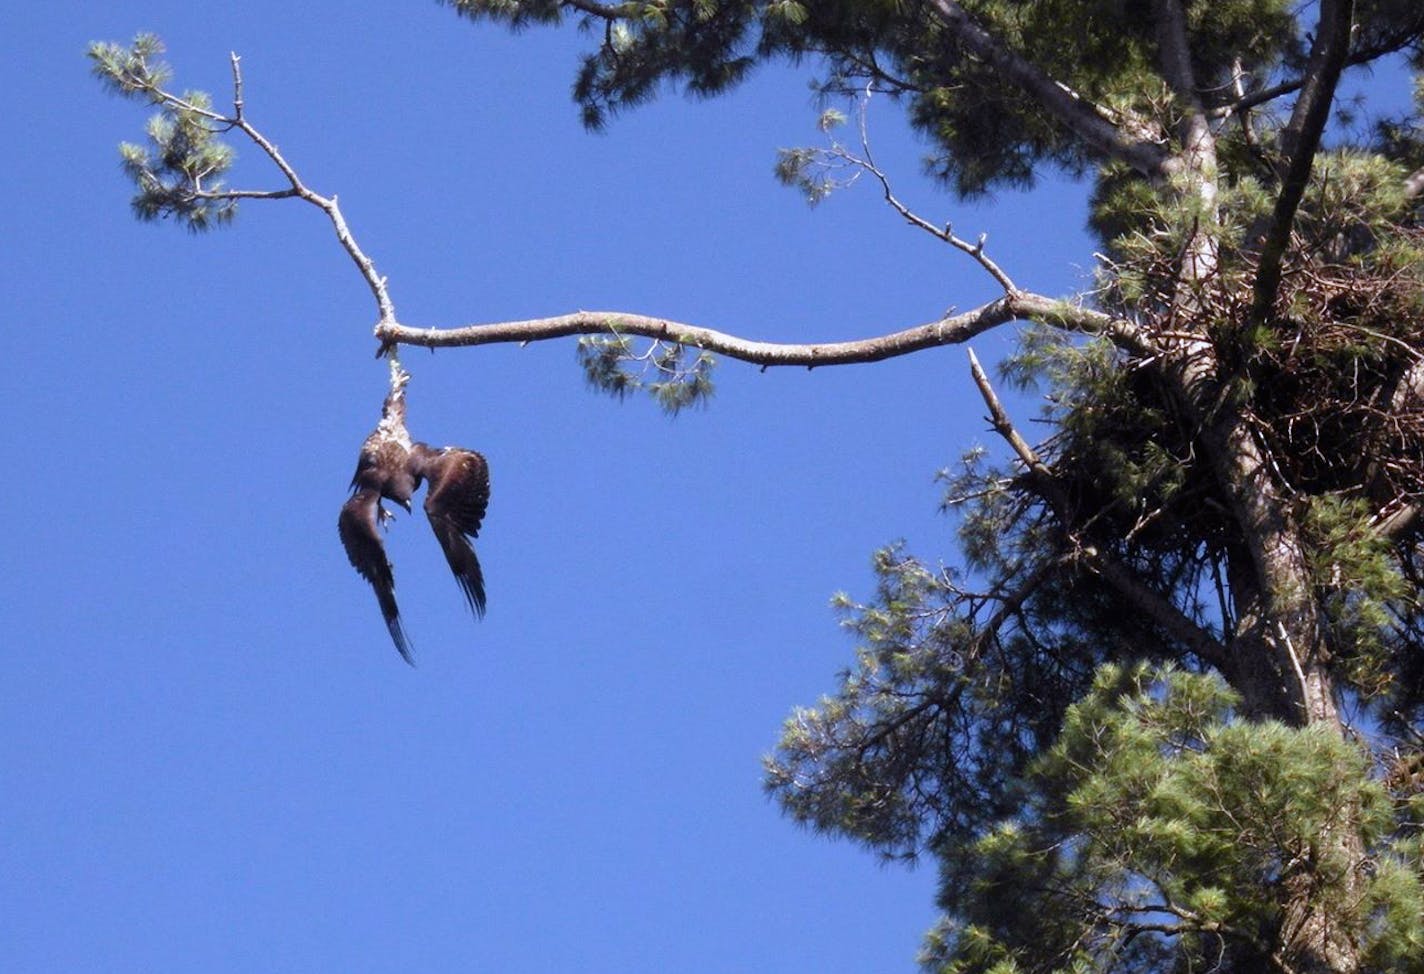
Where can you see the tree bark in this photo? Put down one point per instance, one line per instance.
(1279, 658)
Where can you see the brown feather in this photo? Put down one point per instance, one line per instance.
(455, 503)
(361, 536)
(391, 467)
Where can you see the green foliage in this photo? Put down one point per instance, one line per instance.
(814, 173)
(817, 172)
(179, 173)
(843, 766)
(130, 70)
(1145, 828)
(1160, 833)
(1363, 589)
(668, 371)
(1117, 452)
(516, 13)
(924, 740)
(797, 168)
(985, 133)
(988, 508)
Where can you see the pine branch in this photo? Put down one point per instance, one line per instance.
(133, 75)
(601, 10)
(1175, 623)
(1076, 113)
(1301, 140)
(1254, 99)
(946, 331)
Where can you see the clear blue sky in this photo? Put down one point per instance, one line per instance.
(211, 758)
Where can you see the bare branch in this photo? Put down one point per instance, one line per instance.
(999, 419)
(946, 331)
(1089, 121)
(237, 102)
(816, 173)
(949, 330)
(945, 233)
(363, 263)
(1253, 99)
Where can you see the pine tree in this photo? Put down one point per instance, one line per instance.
(1166, 710)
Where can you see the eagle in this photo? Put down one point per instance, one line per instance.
(391, 467)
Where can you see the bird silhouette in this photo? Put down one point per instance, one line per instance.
(391, 467)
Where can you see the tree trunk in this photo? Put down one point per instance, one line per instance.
(1278, 659)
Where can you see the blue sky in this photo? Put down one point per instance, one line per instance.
(212, 757)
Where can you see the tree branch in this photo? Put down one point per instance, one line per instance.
(1015, 305)
(1301, 140)
(363, 263)
(1076, 113)
(817, 181)
(946, 331)
(143, 82)
(246, 194)
(1198, 142)
(945, 233)
(1011, 603)
(1394, 523)
(1253, 99)
(949, 330)
(1175, 623)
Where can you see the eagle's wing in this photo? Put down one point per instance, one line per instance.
(455, 502)
(361, 537)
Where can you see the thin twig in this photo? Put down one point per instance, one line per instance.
(385, 308)
(866, 162)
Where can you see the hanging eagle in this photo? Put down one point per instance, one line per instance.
(391, 467)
